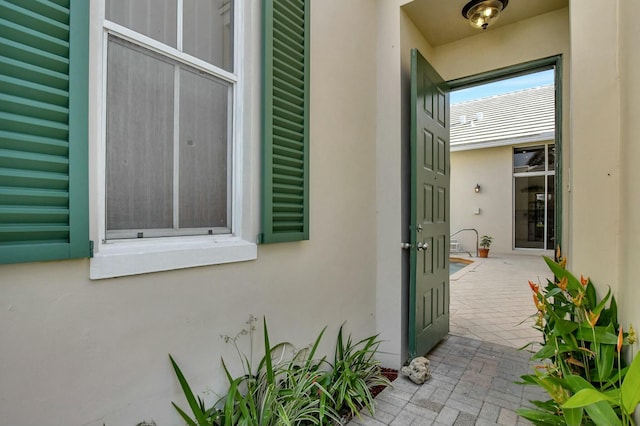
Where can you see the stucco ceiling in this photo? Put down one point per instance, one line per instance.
(441, 21)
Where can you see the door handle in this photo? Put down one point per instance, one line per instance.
(423, 246)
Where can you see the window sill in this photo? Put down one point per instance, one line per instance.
(122, 258)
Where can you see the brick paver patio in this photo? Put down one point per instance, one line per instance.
(475, 368)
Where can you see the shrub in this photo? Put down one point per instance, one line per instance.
(290, 390)
(582, 369)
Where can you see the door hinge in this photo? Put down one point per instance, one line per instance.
(91, 248)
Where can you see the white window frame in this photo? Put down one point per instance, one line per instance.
(114, 258)
(546, 173)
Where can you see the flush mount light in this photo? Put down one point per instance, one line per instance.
(481, 13)
(477, 188)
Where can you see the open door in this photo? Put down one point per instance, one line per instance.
(429, 249)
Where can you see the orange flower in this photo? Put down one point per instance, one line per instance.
(563, 262)
(578, 299)
(564, 282)
(619, 347)
(534, 287)
(558, 253)
(593, 319)
(584, 281)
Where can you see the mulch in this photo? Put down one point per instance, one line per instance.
(390, 374)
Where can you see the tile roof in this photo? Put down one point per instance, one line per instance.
(511, 118)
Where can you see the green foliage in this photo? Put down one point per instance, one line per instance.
(290, 387)
(485, 241)
(354, 372)
(582, 369)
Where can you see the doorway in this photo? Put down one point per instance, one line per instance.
(518, 178)
(507, 157)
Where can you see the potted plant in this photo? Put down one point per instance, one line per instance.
(485, 243)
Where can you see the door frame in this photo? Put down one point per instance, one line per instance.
(551, 62)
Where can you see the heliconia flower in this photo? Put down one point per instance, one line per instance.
(563, 262)
(539, 305)
(534, 287)
(593, 319)
(584, 281)
(619, 347)
(578, 299)
(632, 335)
(564, 282)
(558, 253)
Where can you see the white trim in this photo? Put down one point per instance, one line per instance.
(237, 120)
(141, 257)
(176, 147)
(180, 25)
(163, 49)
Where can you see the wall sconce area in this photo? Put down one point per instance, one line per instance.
(477, 188)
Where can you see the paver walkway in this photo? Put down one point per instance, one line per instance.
(491, 300)
(472, 383)
(475, 368)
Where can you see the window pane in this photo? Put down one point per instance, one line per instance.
(529, 212)
(530, 159)
(551, 161)
(153, 18)
(208, 31)
(203, 150)
(140, 97)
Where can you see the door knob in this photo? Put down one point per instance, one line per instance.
(423, 246)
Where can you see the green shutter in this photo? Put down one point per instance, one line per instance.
(285, 166)
(43, 130)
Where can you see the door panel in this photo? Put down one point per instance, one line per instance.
(429, 259)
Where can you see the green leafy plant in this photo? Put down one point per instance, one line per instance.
(582, 369)
(354, 372)
(201, 415)
(288, 386)
(485, 241)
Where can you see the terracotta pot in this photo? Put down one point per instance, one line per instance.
(483, 252)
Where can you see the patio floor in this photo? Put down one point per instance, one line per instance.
(475, 367)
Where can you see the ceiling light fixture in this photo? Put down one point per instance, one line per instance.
(481, 13)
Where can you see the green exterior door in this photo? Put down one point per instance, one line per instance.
(429, 251)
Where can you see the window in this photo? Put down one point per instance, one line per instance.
(171, 189)
(534, 196)
(169, 107)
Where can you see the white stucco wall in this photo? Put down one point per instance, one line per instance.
(605, 176)
(606, 235)
(629, 297)
(595, 127)
(81, 352)
(491, 169)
